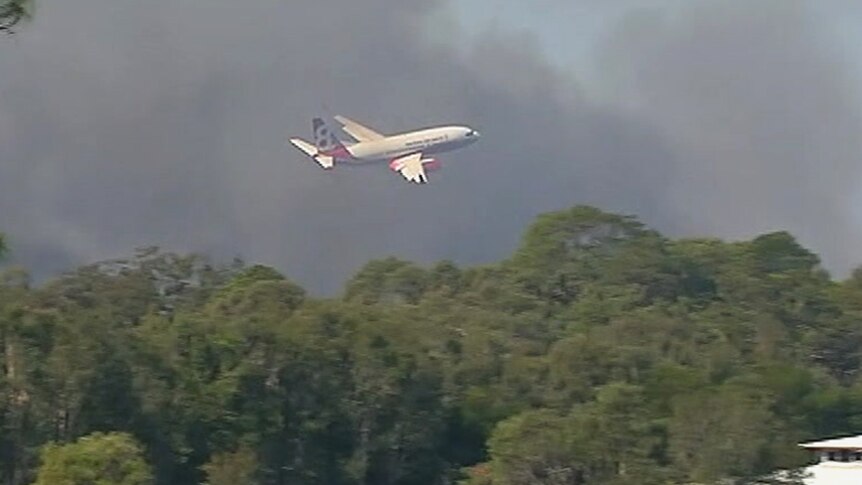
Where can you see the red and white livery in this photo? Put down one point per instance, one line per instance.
(405, 152)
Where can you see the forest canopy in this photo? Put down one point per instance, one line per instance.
(600, 352)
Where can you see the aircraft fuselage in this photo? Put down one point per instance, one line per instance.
(427, 141)
(406, 153)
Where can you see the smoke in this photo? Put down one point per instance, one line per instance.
(164, 122)
(760, 105)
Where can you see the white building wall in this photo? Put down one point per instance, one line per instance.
(835, 473)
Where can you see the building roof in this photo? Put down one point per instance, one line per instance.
(849, 442)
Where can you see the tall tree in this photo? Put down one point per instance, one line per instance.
(108, 459)
(599, 352)
(232, 468)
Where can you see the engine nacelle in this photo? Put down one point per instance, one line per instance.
(431, 164)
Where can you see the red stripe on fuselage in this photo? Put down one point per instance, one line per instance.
(432, 165)
(338, 152)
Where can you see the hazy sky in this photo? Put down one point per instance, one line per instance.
(125, 124)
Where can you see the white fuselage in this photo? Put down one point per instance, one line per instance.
(427, 141)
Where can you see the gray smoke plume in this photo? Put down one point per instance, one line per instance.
(761, 107)
(164, 122)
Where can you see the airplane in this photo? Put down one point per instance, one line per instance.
(405, 152)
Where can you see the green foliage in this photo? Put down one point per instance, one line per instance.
(779, 252)
(99, 459)
(232, 468)
(715, 434)
(601, 352)
(605, 441)
(388, 281)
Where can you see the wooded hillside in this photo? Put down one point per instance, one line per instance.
(600, 352)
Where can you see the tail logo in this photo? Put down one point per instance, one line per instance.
(323, 138)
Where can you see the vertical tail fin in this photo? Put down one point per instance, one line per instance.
(324, 138)
(327, 148)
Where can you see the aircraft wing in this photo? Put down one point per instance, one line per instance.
(354, 129)
(410, 167)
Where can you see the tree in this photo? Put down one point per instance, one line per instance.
(389, 281)
(18, 435)
(537, 447)
(723, 433)
(779, 251)
(600, 353)
(103, 459)
(232, 468)
(12, 12)
(607, 441)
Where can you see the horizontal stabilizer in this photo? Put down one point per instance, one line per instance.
(325, 161)
(306, 147)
